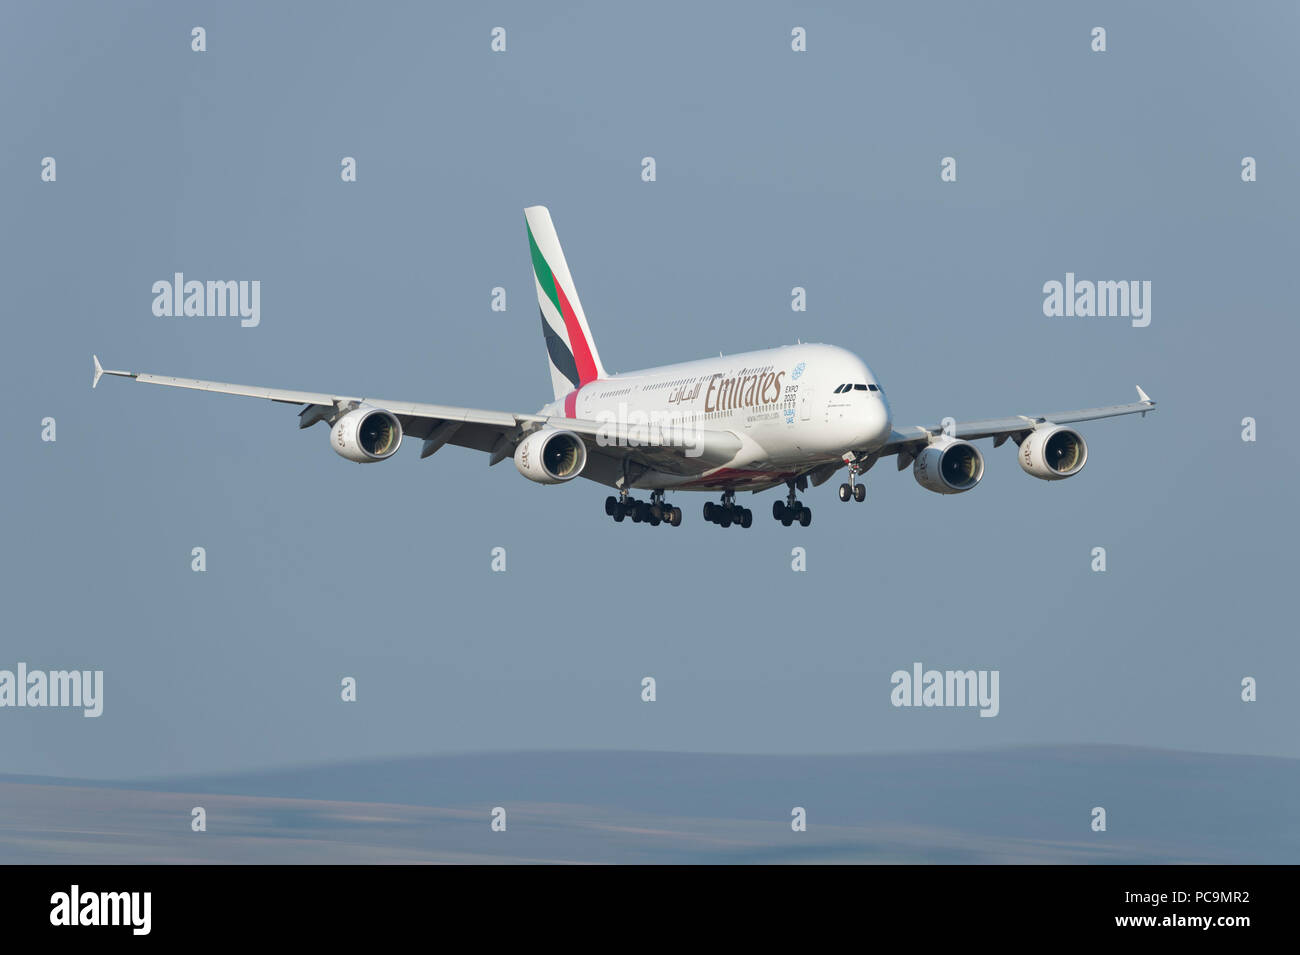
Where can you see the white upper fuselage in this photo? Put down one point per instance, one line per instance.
(783, 404)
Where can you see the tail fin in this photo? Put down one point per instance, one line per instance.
(572, 350)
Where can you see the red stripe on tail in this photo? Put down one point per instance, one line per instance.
(577, 340)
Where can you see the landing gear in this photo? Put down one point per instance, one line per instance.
(791, 509)
(728, 512)
(852, 489)
(857, 492)
(653, 512)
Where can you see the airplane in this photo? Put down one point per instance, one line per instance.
(789, 416)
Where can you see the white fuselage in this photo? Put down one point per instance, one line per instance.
(786, 406)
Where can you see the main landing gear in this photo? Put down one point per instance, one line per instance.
(653, 512)
(728, 512)
(791, 510)
(853, 489)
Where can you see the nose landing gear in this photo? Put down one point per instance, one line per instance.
(852, 489)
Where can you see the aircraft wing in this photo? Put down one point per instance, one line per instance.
(906, 442)
(494, 432)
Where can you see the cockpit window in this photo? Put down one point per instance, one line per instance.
(851, 387)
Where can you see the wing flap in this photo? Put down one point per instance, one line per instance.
(415, 409)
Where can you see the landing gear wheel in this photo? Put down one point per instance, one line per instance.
(611, 503)
(746, 517)
(676, 518)
(846, 492)
(656, 513)
(792, 509)
(859, 492)
(724, 519)
(620, 512)
(654, 520)
(708, 511)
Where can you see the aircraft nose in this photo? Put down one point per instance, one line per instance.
(877, 420)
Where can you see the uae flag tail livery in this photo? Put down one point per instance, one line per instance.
(569, 346)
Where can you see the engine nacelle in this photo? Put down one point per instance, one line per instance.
(549, 456)
(1053, 452)
(948, 466)
(366, 434)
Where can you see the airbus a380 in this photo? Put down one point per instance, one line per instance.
(789, 416)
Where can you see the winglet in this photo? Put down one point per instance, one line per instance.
(99, 370)
(1143, 395)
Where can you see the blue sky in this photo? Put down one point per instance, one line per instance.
(775, 169)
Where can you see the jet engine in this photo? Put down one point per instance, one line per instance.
(549, 456)
(948, 466)
(1053, 452)
(366, 434)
